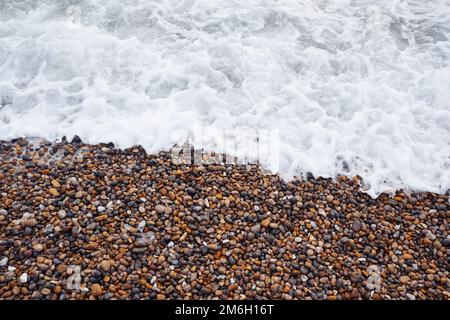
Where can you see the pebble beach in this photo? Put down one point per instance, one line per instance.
(82, 221)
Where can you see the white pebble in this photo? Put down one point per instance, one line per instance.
(410, 296)
(61, 214)
(141, 226)
(430, 236)
(3, 262)
(23, 278)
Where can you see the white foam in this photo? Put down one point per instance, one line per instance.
(362, 82)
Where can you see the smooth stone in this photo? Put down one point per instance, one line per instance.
(23, 278)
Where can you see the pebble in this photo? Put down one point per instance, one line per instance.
(256, 228)
(62, 214)
(23, 278)
(30, 222)
(3, 261)
(61, 268)
(54, 192)
(429, 235)
(410, 296)
(446, 242)
(96, 290)
(38, 247)
(404, 279)
(216, 232)
(45, 291)
(265, 223)
(357, 225)
(407, 256)
(160, 209)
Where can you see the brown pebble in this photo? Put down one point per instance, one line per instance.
(265, 223)
(404, 279)
(61, 268)
(96, 290)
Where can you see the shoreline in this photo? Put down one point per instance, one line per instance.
(214, 156)
(138, 226)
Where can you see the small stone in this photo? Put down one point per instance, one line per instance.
(102, 217)
(356, 226)
(56, 184)
(28, 253)
(16, 290)
(100, 209)
(310, 252)
(54, 192)
(61, 268)
(355, 294)
(96, 290)
(141, 226)
(256, 228)
(30, 222)
(92, 246)
(160, 209)
(273, 225)
(265, 223)
(404, 279)
(329, 198)
(407, 256)
(446, 242)
(45, 291)
(38, 247)
(61, 214)
(105, 265)
(76, 140)
(410, 296)
(191, 191)
(23, 278)
(429, 235)
(298, 239)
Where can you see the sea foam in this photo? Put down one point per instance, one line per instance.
(360, 87)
